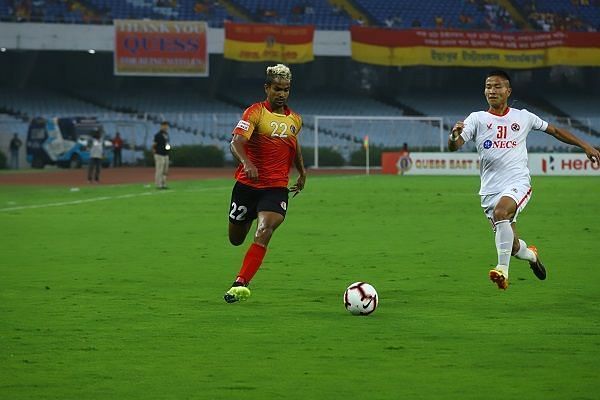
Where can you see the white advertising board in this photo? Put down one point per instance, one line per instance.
(562, 164)
(540, 164)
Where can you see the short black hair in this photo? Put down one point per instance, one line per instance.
(164, 123)
(501, 73)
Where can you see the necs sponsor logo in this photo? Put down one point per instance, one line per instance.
(500, 144)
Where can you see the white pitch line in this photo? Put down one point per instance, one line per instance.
(94, 199)
(76, 202)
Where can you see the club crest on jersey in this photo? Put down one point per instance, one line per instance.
(245, 125)
(283, 205)
(515, 127)
(293, 129)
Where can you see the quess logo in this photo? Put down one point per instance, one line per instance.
(515, 127)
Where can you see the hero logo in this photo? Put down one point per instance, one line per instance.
(548, 165)
(568, 164)
(500, 144)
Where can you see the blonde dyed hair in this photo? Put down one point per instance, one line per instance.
(278, 71)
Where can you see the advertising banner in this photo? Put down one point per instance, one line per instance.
(441, 164)
(264, 42)
(562, 164)
(160, 48)
(474, 48)
(540, 164)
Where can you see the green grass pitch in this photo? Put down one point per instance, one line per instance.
(115, 292)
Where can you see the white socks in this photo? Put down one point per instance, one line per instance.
(524, 253)
(504, 242)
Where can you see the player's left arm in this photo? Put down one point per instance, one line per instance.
(567, 137)
(299, 162)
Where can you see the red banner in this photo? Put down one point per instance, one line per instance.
(160, 48)
(263, 42)
(474, 39)
(474, 48)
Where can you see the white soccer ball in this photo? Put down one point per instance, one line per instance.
(361, 298)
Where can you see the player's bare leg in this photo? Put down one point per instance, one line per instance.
(268, 221)
(237, 236)
(238, 233)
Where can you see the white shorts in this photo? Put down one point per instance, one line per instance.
(520, 193)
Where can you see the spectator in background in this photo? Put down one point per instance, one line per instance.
(404, 161)
(298, 9)
(117, 148)
(15, 147)
(439, 21)
(161, 148)
(96, 154)
(389, 22)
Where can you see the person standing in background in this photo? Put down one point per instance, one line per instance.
(96, 155)
(161, 148)
(117, 147)
(15, 147)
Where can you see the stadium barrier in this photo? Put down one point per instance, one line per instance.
(540, 164)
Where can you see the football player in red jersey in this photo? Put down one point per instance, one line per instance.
(265, 142)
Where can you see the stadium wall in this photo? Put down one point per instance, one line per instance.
(37, 36)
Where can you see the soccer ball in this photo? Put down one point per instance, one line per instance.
(360, 298)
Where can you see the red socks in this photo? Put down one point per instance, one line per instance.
(252, 261)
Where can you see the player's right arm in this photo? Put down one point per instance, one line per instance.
(241, 135)
(455, 141)
(238, 149)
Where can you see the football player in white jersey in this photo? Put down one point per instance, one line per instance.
(500, 135)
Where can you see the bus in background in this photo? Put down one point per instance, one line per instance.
(64, 142)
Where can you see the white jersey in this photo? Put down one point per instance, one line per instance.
(500, 142)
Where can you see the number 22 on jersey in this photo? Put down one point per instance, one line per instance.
(279, 129)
